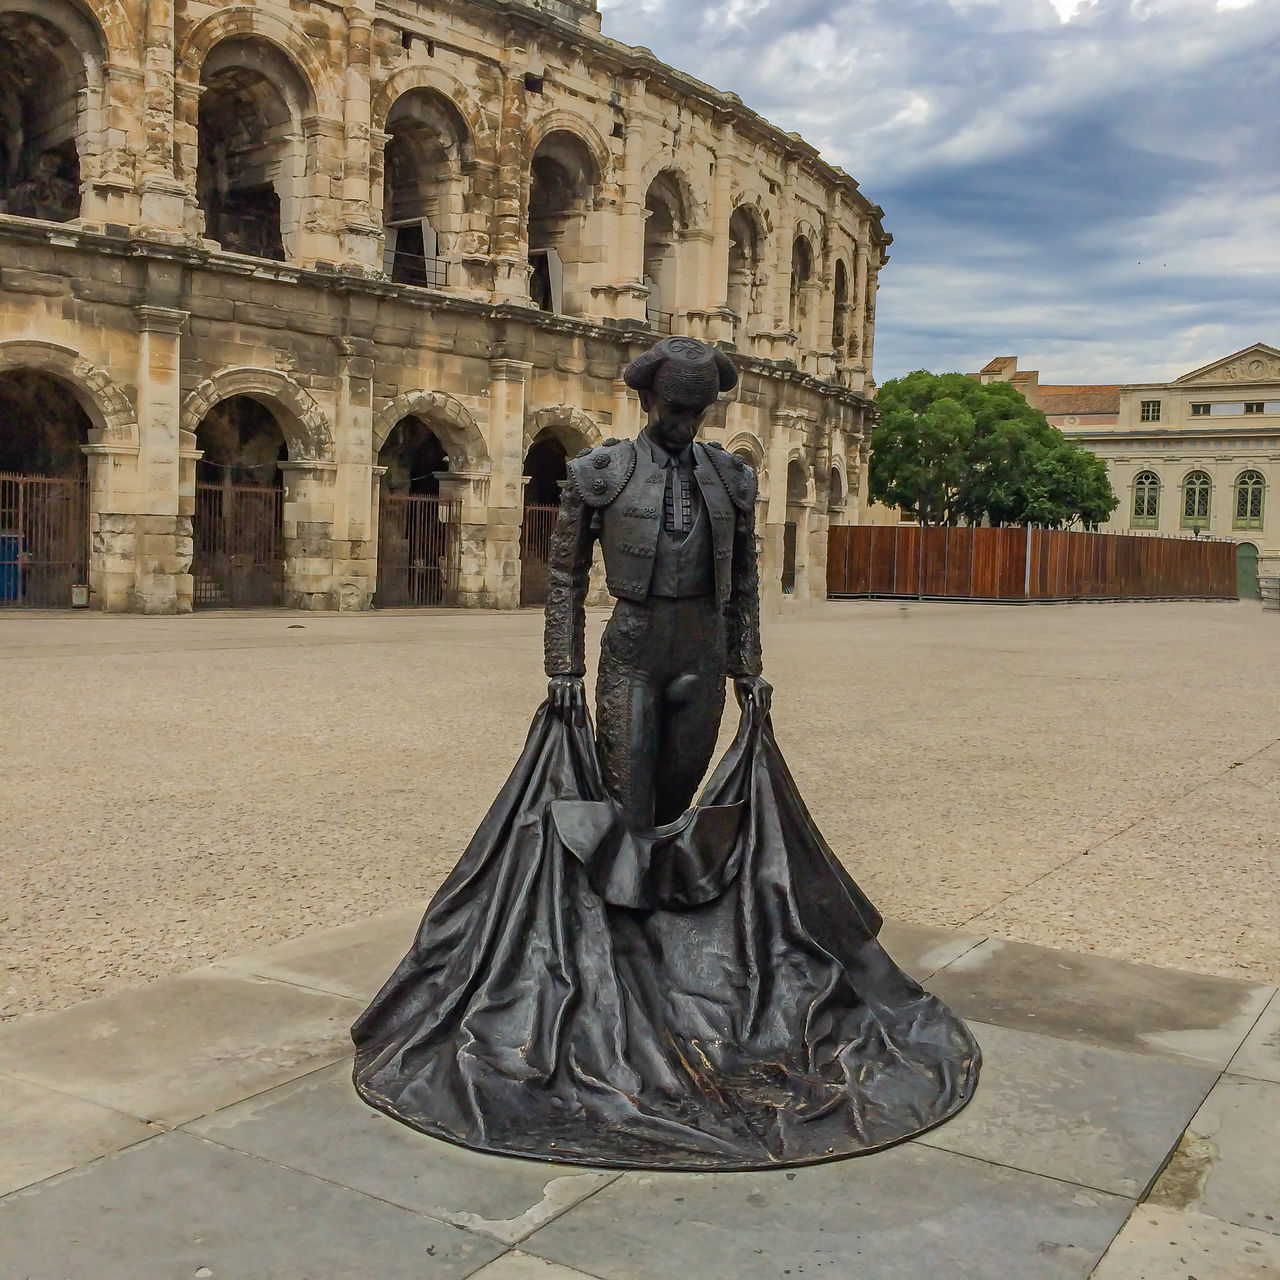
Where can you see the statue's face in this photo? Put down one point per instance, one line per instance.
(672, 423)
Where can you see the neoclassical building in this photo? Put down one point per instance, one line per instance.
(306, 303)
(1196, 456)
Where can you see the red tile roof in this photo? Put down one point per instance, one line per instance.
(1081, 399)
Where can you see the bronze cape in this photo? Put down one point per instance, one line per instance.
(709, 995)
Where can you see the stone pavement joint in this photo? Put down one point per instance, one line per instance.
(207, 1125)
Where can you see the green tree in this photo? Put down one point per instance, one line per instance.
(949, 449)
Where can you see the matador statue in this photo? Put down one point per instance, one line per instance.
(675, 519)
(617, 973)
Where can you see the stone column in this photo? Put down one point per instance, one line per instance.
(510, 234)
(310, 490)
(471, 489)
(716, 283)
(504, 514)
(362, 226)
(869, 323)
(627, 266)
(355, 529)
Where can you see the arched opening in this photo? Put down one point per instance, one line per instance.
(1146, 501)
(797, 494)
(665, 220)
(546, 466)
(1247, 571)
(840, 312)
(44, 491)
(835, 490)
(42, 78)
(1251, 489)
(1197, 490)
(419, 532)
(746, 240)
(562, 191)
(238, 529)
(423, 187)
(801, 274)
(251, 150)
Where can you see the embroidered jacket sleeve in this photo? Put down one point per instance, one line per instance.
(569, 569)
(742, 614)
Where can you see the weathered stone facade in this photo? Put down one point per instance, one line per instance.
(470, 214)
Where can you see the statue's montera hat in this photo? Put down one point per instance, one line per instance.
(684, 370)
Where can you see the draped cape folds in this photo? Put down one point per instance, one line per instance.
(707, 995)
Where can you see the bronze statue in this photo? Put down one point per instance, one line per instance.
(676, 522)
(615, 974)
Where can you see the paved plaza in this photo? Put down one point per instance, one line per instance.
(222, 831)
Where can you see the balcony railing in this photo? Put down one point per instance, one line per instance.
(659, 320)
(426, 273)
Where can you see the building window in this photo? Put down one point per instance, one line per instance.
(1151, 411)
(1146, 500)
(1195, 500)
(1254, 406)
(1199, 410)
(1250, 486)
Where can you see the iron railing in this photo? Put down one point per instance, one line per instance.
(535, 552)
(238, 554)
(419, 551)
(658, 320)
(44, 539)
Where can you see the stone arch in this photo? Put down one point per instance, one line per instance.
(799, 476)
(447, 416)
(407, 79)
(573, 427)
(748, 444)
(694, 199)
(585, 132)
(306, 430)
(58, 111)
(242, 22)
(114, 418)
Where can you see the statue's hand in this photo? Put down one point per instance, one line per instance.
(753, 689)
(568, 698)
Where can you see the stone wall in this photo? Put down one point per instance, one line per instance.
(489, 109)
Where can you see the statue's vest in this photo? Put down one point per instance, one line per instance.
(626, 490)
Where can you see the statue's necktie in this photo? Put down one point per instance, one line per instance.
(677, 502)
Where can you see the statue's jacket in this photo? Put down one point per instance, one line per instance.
(614, 494)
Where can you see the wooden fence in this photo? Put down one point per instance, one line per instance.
(1024, 564)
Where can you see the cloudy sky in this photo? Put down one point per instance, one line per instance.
(1093, 185)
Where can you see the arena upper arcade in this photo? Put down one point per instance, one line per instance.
(307, 303)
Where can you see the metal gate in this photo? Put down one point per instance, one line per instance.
(44, 540)
(1247, 571)
(535, 551)
(419, 551)
(238, 558)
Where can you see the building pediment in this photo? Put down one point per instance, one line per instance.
(1258, 363)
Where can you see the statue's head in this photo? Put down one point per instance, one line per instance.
(678, 381)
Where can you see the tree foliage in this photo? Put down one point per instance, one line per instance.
(951, 450)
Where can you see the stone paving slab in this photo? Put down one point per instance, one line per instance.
(1096, 1117)
(1163, 1244)
(178, 1206)
(320, 1126)
(353, 960)
(1228, 1163)
(43, 1132)
(904, 1214)
(1189, 1017)
(180, 1047)
(524, 1266)
(1259, 1056)
(921, 950)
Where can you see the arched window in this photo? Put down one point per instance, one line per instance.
(424, 196)
(1250, 488)
(1146, 501)
(801, 274)
(840, 313)
(1196, 489)
(42, 80)
(252, 162)
(835, 490)
(563, 184)
(746, 279)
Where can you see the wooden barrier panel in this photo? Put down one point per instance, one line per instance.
(1024, 564)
